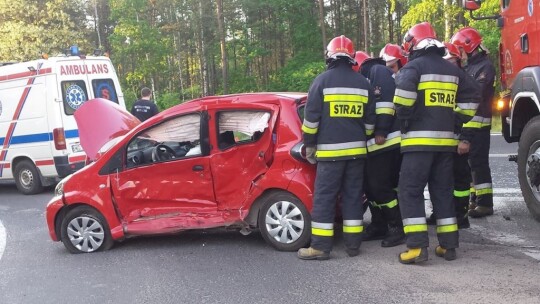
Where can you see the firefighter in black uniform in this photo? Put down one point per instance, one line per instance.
(462, 170)
(430, 95)
(478, 129)
(339, 113)
(384, 157)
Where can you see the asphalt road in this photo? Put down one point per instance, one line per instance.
(498, 262)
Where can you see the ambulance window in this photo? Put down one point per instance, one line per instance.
(74, 94)
(104, 88)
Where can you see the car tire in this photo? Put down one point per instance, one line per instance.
(529, 159)
(27, 178)
(84, 230)
(284, 221)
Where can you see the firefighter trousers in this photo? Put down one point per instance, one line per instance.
(479, 162)
(382, 176)
(462, 184)
(333, 178)
(436, 170)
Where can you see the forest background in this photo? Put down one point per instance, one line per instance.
(184, 49)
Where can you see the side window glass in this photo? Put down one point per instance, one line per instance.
(74, 94)
(505, 3)
(171, 140)
(104, 88)
(239, 127)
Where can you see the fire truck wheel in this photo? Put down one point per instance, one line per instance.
(27, 178)
(85, 230)
(284, 221)
(529, 166)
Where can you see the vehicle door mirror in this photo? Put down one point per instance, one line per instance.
(471, 5)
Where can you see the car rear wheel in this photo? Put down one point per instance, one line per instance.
(84, 230)
(27, 178)
(284, 221)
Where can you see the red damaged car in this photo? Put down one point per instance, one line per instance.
(222, 161)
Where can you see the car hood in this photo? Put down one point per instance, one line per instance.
(100, 120)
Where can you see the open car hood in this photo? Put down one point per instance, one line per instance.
(99, 121)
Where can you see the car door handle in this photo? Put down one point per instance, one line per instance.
(198, 168)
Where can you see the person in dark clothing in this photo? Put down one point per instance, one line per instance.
(479, 66)
(431, 98)
(144, 108)
(338, 116)
(384, 157)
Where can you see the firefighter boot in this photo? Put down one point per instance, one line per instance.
(481, 211)
(413, 255)
(447, 254)
(462, 209)
(394, 237)
(352, 252)
(312, 254)
(377, 229)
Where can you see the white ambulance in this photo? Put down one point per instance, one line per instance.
(39, 139)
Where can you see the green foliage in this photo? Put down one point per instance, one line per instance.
(30, 28)
(168, 100)
(297, 75)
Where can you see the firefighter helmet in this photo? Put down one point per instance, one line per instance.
(452, 51)
(467, 38)
(360, 58)
(392, 53)
(421, 36)
(340, 47)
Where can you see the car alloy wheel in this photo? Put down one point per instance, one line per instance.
(284, 221)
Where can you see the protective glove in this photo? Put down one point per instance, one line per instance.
(310, 154)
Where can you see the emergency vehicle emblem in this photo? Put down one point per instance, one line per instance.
(377, 90)
(75, 96)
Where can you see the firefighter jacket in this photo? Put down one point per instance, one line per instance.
(339, 113)
(480, 68)
(432, 99)
(383, 87)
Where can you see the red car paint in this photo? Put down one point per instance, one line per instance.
(219, 189)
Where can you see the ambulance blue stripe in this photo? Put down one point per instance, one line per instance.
(41, 137)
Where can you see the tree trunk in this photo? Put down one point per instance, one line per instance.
(323, 26)
(366, 25)
(224, 60)
(447, 22)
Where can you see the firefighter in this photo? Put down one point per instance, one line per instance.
(478, 129)
(394, 56)
(462, 171)
(339, 113)
(384, 158)
(430, 96)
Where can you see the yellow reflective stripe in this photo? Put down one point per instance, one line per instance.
(484, 191)
(404, 101)
(322, 232)
(462, 193)
(388, 111)
(447, 228)
(338, 153)
(473, 190)
(369, 131)
(429, 142)
(476, 125)
(353, 229)
(391, 204)
(415, 228)
(340, 97)
(465, 112)
(437, 85)
(388, 143)
(309, 130)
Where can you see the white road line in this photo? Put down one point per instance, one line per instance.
(500, 155)
(2, 239)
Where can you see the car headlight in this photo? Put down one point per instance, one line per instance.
(59, 190)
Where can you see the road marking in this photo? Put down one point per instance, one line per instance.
(2, 239)
(500, 155)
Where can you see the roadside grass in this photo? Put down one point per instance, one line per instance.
(496, 125)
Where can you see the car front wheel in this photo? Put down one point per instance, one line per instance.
(284, 221)
(84, 230)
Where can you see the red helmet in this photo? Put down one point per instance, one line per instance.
(340, 47)
(392, 53)
(421, 32)
(360, 57)
(452, 51)
(467, 38)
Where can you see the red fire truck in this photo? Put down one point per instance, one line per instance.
(519, 63)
